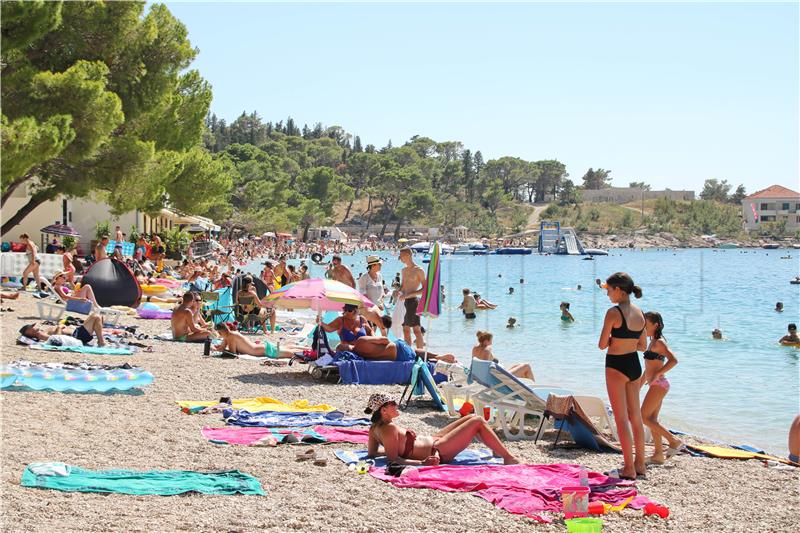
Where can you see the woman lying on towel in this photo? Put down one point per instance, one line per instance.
(382, 349)
(403, 446)
(235, 342)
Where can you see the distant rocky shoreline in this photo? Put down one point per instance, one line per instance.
(669, 240)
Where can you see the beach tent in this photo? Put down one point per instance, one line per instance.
(571, 418)
(113, 283)
(261, 287)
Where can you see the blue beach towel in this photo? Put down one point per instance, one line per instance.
(379, 372)
(468, 457)
(233, 417)
(98, 350)
(59, 476)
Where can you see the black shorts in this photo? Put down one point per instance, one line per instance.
(469, 315)
(411, 319)
(83, 335)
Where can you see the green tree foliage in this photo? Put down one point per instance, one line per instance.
(639, 185)
(739, 195)
(97, 98)
(714, 189)
(596, 179)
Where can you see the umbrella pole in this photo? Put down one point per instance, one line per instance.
(427, 333)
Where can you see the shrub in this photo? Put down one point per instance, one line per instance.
(102, 229)
(69, 242)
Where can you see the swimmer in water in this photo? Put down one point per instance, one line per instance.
(779, 307)
(521, 281)
(511, 290)
(791, 337)
(716, 334)
(578, 287)
(566, 316)
(512, 322)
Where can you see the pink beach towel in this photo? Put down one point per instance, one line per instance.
(248, 436)
(519, 489)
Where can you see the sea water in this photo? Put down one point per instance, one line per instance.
(742, 390)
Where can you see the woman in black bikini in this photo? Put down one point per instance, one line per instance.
(624, 335)
(405, 447)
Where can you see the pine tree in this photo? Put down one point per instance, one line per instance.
(357, 145)
(468, 170)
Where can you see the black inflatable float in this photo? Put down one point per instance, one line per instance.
(317, 258)
(113, 283)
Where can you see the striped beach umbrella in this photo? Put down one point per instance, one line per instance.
(430, 304)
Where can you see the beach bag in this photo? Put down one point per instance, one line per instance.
(83, 307)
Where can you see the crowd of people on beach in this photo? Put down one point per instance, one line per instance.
(364, 331)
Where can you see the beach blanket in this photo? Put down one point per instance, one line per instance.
(59, 476)
(255, 405)
(379, 372)
(468, 457)
(721, 452)
(519, 489)
(167, 336)
(258, 436)
(98, 350)
(255, 436)
(235, 417)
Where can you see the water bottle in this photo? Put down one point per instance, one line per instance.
(583, 477)
(207, 347)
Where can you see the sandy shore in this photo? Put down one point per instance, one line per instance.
(148, 431)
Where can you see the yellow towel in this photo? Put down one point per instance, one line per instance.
(732, 453)
(264, 404)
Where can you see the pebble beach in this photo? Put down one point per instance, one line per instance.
(148, 431)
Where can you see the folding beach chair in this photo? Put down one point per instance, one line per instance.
(217, 306)
(248, 314)
(511, 400)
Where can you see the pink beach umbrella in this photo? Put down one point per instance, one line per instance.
(317, 294)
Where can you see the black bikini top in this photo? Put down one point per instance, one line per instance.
(623, 332)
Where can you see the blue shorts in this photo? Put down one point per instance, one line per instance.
(404, 352)
(793, 458)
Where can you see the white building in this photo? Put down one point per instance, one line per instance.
(83, 214)
(773, 204)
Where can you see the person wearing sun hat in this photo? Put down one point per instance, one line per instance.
(85, 293)
(403, 446)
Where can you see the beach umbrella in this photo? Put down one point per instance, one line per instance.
(318, 294)
(64, 230)
(430, 303)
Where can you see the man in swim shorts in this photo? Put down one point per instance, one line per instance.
(413, 279)
(183, 324)
(68, 336)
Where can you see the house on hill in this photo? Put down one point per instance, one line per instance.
(773, 204)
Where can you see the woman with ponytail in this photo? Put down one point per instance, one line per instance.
(658, 360)
(623, 336)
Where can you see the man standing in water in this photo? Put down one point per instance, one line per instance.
(413, 279)
(341, 273)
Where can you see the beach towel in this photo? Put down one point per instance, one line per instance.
(519, 489)
(468, 457)
(167, 336)
(379, 372)
(398, 316)
(255, 436)
(156, 482)
(98, 350)
(234, 417)
(255, 405)
(721, 452)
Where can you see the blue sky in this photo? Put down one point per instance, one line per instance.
(670, 94)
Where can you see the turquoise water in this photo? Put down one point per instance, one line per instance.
(743, 389)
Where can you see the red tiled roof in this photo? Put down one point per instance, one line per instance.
(774, 191)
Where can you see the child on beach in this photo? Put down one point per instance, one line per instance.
(658, 360)
(566, 316)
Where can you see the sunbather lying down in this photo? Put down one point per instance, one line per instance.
(235, 342)
(382, 349)
(403, 446)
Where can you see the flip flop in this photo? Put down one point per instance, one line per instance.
(672, 452)
(305, 455)
(616, 474)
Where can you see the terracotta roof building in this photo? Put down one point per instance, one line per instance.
(773, 204)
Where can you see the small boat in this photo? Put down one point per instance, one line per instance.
(796, 246)
(728, 246)
(771, 246)
(512, 250)
(795, 281)
(595, 251)
(471, 249)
